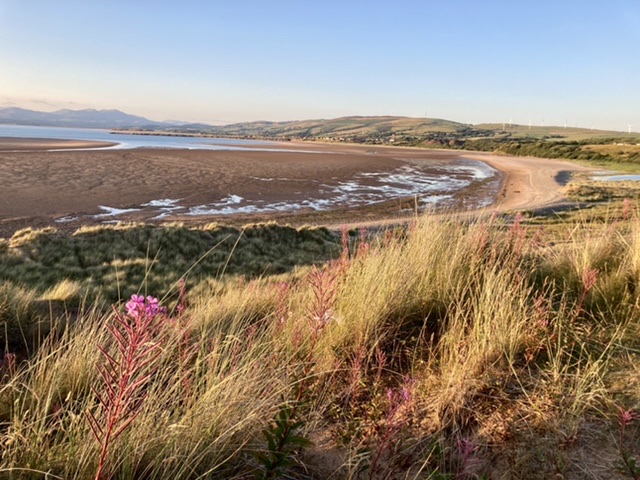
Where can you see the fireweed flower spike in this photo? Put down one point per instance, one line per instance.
(126, 371)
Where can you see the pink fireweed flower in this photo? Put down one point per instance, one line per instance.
(626, 417)
(152, 307)
(135, 306)
(126, 371)
(138, 307)
(468, 459)
(390, 395)
(405, 394)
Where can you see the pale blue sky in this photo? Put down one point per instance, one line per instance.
(227, 61)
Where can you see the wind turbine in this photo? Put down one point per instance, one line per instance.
(630, 125)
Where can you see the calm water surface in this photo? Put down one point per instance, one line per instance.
(127, 141)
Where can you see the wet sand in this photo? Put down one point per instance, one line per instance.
(38, 144)
(38, 186)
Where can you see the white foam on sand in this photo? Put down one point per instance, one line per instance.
(165, 202)
(165, 207)
(67, 219)
(364, 189)
(431, 185)
(477, 170)
(112, 212)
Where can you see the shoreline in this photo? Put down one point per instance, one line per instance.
(20, 144)
(527, 182)
(76, 182)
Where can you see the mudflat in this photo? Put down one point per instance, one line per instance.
(31, 144)
(39, 186)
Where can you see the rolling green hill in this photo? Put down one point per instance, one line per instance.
(392, 130)
(376, 130)
(347, 126)
(595, 146)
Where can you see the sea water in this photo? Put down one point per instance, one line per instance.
(124, 140)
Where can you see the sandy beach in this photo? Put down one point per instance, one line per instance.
(38, 187)
(530, 183)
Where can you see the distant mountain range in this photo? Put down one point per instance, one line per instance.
(89, 118)
(345, 128)
(383, 130)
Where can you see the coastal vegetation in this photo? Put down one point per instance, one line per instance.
(602, 191)
(605, 151)
(454, 348)
(97, 264)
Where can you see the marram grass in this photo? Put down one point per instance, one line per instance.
(456, 349)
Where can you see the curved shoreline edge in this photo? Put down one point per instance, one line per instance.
(529, 183)
(21, 144)
(526, 183)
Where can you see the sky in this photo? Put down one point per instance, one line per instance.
(546, 62)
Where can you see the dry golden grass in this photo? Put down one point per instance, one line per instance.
(63, 291)
(452, 350)
(615, 149)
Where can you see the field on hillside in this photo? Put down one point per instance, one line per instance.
(449, 349)
(550, 132)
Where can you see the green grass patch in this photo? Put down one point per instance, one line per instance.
(110, 261)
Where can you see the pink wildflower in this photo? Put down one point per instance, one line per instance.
(138, 307)
(126, 371)
(135, 306)
(152, 307)
(468, 460)
(390, 395)
(626, 417)
(405, 394)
